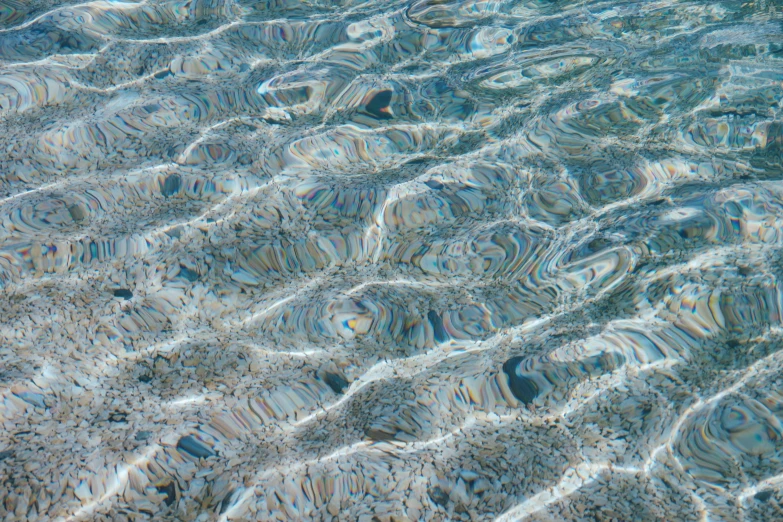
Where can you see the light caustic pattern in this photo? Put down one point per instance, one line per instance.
(386, 260)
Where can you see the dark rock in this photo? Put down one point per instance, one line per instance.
(763, 495)
(143, 435)
(170, 490)
(5, 454)
(188, 274)
(145, 378)
(123, 293)
(118, 416)
(190, 445)
(77, 213)
(437, 327)
(379, 105)
(226, 502)
(438, 495)
(379, 435)
(336, 382)
(171, 185)
(523, 388)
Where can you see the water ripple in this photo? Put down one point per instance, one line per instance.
(404, 260)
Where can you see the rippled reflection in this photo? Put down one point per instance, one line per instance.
(403, 260)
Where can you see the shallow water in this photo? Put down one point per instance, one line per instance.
(440, 260)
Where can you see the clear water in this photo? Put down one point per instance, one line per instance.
(383, 260)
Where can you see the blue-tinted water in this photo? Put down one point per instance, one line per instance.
(385, 260)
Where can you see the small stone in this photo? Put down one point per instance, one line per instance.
(226, 502)
(77, 213)
(523, 388)
(171, 185)
(379, 105)
(170, 492)
(438, 332)
(191, 446)
(124, 293)
(336, 382)
(188, 274)
(763, 495)
(438, 496)
(118, 417)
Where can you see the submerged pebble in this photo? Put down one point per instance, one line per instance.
(123, 293)
(193, 447)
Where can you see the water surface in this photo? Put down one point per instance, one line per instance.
(391, 260)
